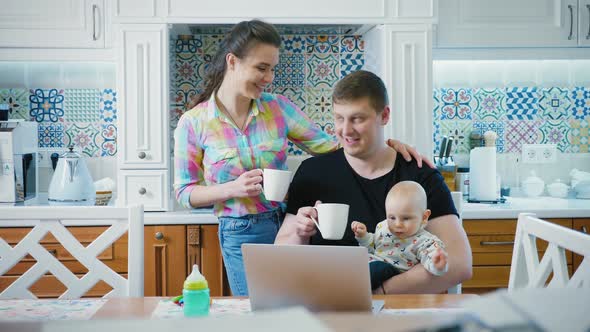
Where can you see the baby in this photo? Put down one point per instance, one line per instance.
(400, 241)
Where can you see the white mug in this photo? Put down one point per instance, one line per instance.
(332, 220)
(275, 183)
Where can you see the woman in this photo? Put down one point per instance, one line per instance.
(236, 130)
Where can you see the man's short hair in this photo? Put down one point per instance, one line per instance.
(358, 85)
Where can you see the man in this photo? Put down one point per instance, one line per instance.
(360, 174)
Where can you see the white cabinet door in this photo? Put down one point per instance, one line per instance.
(584, 23)
(278, 8)
(132, 11)
(143, 82)
(148, 187)
(507, 23)
(52, 24)
(402, 56)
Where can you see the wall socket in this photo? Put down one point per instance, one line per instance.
(539, 153)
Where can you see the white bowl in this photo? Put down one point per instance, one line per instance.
(582, 189)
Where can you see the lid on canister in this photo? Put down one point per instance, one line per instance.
(463, 170)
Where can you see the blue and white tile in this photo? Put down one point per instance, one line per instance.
(322, 44)
(580, 97)
(296, 95)
(496, 126)
(319, 105)
(489, 104)
(460, 130)
(436, 105)
(457, 104)
(84, 137)
(554, 104)
(189, 44)
(17, 101)
(108, 140)
(522, 103)
(188, 73)
(108, 106)
(81, 105)
(352, 44)
(519, 132)
(211, 43)
(293, 44)
(51, 135)
(555, 132)
(578, 136)
(350, 62)
(294, 150)
(46, 105)
(323, 70)
(290, 72)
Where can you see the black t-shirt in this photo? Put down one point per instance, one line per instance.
(330, 179)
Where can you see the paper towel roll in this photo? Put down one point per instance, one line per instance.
(482, 177)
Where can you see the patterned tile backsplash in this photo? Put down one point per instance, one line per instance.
(85, 118)
(519, 115)
(309, 67)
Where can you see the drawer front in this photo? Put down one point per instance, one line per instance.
(148, 187)
(501, 226)
(492, 277)
(504, 258)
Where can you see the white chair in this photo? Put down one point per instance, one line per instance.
(51, 219)
(527, 271)
(458, 201)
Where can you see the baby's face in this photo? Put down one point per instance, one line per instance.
(404, 217)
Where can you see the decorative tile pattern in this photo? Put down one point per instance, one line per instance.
(489, 104)
(322, 43)
(51, 135)
(189, 44)
(188, 72)
(297, 96)
(436, 136)
(293, 149)
(46, 105)
(580, 97)
(352, 44)
(457, 104)
(108, 106)
(319, 106)
(293, 44)
(108, 145)
(322, 70)
(81, 105)
(555, 132)
(554, 103)
(522, 103)
(578, 136)
(290, 72)
(351, 62)
(519, 133)
(83, 137)
(211, 43)
(460, 130)
(17, 101)
(497, 126)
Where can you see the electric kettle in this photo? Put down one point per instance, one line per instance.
(71, 181)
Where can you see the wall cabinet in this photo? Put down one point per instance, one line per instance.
(507, 23)
(53, 24)
(169, 254)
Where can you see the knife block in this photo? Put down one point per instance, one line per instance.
(449, 173)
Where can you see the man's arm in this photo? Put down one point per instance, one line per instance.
(298, 229)
(419, 280)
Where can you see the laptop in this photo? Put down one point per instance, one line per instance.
(320, 278)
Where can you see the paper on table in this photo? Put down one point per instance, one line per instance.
(167, 309)
(423, 311)
(39, 310)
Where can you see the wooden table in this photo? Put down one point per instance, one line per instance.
(143, 308)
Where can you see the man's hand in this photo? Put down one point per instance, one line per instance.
(359, 229)
(304, 225)
(408, 152)
(248, 184)
(439, 259)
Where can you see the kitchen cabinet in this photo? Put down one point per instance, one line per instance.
(492, 242)
(138, 11)
(582, 225)
(142, 70)
(169, 252)
(53, 24)
(507, 23)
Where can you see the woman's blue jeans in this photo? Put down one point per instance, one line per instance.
(234, 231)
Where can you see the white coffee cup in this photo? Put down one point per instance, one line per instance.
(275, 183)
(332, 220)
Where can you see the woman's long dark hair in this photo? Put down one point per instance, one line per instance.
(238, 41)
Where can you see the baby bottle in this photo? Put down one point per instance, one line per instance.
(195, 294)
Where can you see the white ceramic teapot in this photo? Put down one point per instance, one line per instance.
(71, 181)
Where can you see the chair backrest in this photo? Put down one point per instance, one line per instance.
(527, 271)
(51, 219)
(458, 201)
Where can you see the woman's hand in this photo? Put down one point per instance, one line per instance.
(409, 152)
(248, 184)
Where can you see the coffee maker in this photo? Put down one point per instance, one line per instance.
(18, 161)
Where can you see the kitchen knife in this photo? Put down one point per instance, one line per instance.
(443, 145)
(448, 149)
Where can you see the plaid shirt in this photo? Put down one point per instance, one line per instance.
(210, 149)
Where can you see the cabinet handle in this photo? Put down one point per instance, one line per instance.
(571, 36)
(142, 191)
(584, 229)
(588, 35)
(94, 20)
(141, 155)
(495, 243)
(159, 235)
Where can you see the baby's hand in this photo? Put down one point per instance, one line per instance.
(439, 259)
(358, 228)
